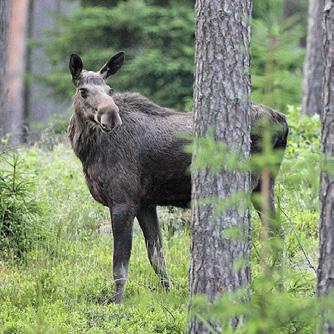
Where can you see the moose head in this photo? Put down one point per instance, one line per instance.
(93, 98)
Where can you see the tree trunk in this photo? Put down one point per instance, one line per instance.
(14, 103)
(293, 7)
(314, 64)
(221, 103)
(326, 260)
(4, 13)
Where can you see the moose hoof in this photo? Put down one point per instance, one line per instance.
(117, 298)
(165, 283)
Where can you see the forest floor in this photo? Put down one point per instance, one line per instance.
(64, 282)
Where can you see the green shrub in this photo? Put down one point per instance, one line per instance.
(19, 214)
(277, 56)
(301, 165)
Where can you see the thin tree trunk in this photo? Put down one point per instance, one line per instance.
(293, 7)
(14, 103)
(326, 260)
(314, 64)
(221, 102)
(28, 72)
(4, 14)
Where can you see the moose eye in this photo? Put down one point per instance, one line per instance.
(83, 92)
(110, 91)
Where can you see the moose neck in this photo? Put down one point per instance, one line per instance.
(86, 138)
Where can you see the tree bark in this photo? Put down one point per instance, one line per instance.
(314, 64)
(221, 102)
(326, 260)
(13, 110)
(4, 13)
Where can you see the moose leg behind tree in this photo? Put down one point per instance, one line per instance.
(133, 159)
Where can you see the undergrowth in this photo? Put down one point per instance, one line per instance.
(64, 284)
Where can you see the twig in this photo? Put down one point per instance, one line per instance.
(165, 308)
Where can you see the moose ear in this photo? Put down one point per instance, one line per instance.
(113, 65)
(75, 66)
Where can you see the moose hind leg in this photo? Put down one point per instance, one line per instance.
(149, 223)
(122, 223)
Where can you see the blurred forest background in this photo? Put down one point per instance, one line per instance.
(158, 38)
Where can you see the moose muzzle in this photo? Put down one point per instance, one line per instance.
(108, 117)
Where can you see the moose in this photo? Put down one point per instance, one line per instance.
(134, 160)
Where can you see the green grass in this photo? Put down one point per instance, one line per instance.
(64, 283)
(71, 293)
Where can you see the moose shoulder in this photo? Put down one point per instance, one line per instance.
(133, 157)
(144, 156)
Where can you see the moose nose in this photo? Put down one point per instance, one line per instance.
(106, 127)
(108, 117)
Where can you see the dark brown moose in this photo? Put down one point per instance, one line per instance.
(133, 159)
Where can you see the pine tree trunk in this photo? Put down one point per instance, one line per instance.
(314, 64)
(4, 13)
(221, 102)
(15, 68)
(326, 260)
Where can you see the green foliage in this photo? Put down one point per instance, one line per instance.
(66, 282)
(284, 250)
(60, 182)
(58, 124)
(19, 215)
(277, 56)
(302, 166)
(70, 295)
(48, 217)
(158, 38)
(286, 300)
(275, 313)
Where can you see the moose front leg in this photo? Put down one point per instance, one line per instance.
(265, 197)
(122, 223)
(149, 223)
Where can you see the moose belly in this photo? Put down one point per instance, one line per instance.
(94, 187)
(175, 192)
